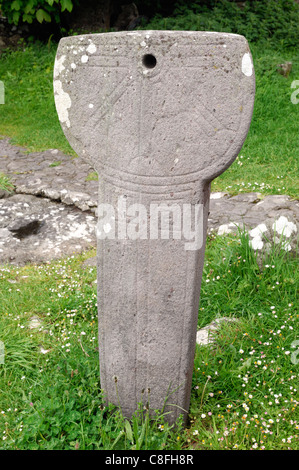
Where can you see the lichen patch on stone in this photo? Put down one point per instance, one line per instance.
(247, 66)
(283, 226)
(63, 103)
(58, 66)
(91, 48)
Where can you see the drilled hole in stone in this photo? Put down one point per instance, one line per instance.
(149, 61)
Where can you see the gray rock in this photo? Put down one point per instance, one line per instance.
(4, 194)
(37, 230)
(206, 335)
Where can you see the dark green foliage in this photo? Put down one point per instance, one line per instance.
(273, 20)
(28, 11)
(263, 20)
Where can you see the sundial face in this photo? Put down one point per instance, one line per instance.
(160, 106)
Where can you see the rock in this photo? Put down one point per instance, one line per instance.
(37, 230)
(204, 336)
(281, 231)
(34, 323)
(4, 194)
(285, 69)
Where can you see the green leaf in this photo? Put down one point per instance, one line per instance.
(16, 17)
(16, 5)
(129, 432)
(66, 5)
(29, 7)
(42, 15)
(27, 18)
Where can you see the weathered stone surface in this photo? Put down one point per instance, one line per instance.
(158, 114)
(4, 194)
(273, 220)
(37, 230)
(49, 174)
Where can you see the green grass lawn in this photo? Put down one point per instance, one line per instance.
(245, 384)
(268, 161)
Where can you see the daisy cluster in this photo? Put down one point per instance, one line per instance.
(249, 388)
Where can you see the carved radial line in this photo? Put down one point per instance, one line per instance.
(112, 98)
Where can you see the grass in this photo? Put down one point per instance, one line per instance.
(5, 183)
(244, 392)
(29, 115)
(267, 163)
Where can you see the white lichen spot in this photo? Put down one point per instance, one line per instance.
(73, 65)
(227, 228)
(84, 59)
(247, 66)
(58, 66)
(224, 45)
(258, 231)
(216, 195)
(63, 103)
(75, 52)
(107, 228)
(90, 105)
(283, 226)
(91, 48)
(257, 243)
(143, 44)
(286, 246)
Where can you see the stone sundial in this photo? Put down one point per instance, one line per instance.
(159, 115)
